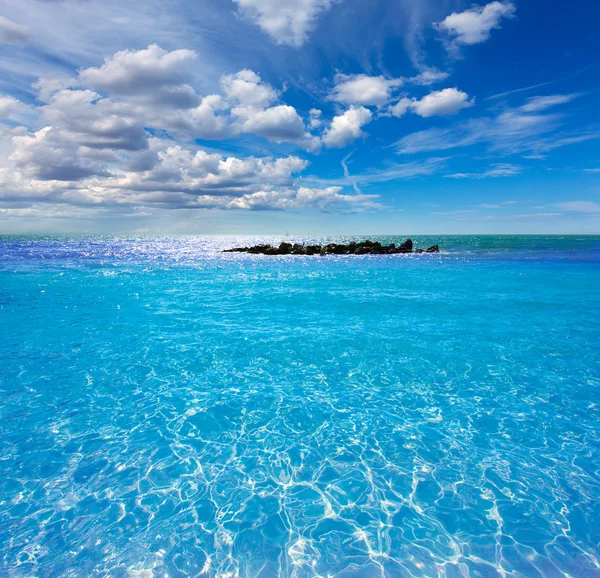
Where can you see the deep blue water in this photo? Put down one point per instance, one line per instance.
(166, 410)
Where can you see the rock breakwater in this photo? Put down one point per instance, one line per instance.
(353, 248)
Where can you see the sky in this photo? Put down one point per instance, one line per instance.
(300, 116)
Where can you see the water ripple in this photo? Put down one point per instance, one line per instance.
(169, 411)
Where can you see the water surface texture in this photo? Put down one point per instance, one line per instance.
(167, 410)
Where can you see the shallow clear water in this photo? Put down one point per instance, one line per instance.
(166, 410)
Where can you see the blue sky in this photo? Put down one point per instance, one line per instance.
(311, 116)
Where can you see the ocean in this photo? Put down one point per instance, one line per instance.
(168, 410)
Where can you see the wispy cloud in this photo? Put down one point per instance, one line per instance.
(12, 33)
(391, 172)
(347, 174)
(519, 217)
(539, 103)
(498, 170)
(514, 130)
(582, 207)
(517, 90)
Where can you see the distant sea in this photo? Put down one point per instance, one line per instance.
(169, 410)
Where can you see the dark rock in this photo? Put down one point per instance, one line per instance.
(406, 247)
(259, 248)
(298, 249)
(366, 247)
(285, 248)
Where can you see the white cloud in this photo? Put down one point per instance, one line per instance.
(47, 156)
(428, 76)
(281, 124)
(401, 107)
(46, 167)
(153, 88)
(248, 90)
(92, 141)
(277, 123)
(497, 170)
(286, 21)
(475, 24)
(251, 98)
(392, 172)
(519, 217)
(178, 177)
(346, 127)
(12, 33)
(540, 103)
(442, 103)
(587, 207)
(501, 205)
(208, 119)
(325, 200)
(330, 198)
(46, 87)
(446, 102)
(361, 89)
(83, 117)
(152, 74)
(510, 131)
(9, 106)
(315, 121)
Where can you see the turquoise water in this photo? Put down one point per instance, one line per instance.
(166, 410)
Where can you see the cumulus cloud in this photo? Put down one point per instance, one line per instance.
(325, 200)
(12, 33)
(446, 102)
(45, 166)
(251, 98)
(153, 88)
(248, 90)
(475, 24)
(93, 140)
(442, 103)
(346, 127)
(83, 117)
(9, 106)
(175, 177)
(330, 198)
(286, 21)
(280, 124)
(47, 156)
(363, 90)
(152, 74)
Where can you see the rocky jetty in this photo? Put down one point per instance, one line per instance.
(353, 248)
